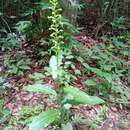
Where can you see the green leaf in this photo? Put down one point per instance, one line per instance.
(14, 69)
(43, 5)
(1, 104)
(13, 17)
(127, 93)
(107, 67)
(100, 73)
(9, 128)
(44, 119)
(77, 72)
(1, 13)
(67, 126)
(69, 57)
(24, 67)
(91, 82)
(40, 88)
(37, 76)
(126, 53)
(3, 30)
(107, 76)
(81, 97)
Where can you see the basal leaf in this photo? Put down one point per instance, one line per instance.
(40, 88)
(44, 119)
(81, 97)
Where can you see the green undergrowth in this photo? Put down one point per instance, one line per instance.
(108, 79)
(107, 62)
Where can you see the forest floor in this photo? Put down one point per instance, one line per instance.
(16, 99)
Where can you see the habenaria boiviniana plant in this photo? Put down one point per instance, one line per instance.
(66, 94)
